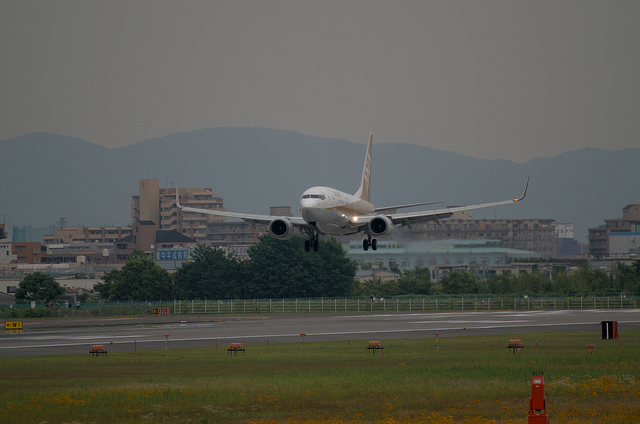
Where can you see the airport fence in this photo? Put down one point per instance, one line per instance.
(322, 305)
(424, 304)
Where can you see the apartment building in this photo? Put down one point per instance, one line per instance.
(226, 234)
(621, 229)
(86, 235)
(29, 252)
(158, 205)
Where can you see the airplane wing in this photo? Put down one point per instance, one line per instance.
(408, 218)
(393, 209)
(298, 222)
(254, 218)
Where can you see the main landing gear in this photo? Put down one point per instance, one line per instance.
(312, 242)
(370, 242)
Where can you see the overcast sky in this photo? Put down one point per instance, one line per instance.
(489, 79)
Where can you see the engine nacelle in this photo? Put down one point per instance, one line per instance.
(281, 228)
(380, 226)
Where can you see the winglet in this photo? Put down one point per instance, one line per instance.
(363, 191)
(525, 190)
(178, 198)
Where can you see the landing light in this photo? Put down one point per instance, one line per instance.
(354, 219)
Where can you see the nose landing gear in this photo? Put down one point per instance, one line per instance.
(312, 242)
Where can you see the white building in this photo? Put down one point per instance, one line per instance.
(626, 243)
(480, 257)
(564, 230)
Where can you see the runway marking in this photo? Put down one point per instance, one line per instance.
(464, 313)
(472, 322)
(81, 337)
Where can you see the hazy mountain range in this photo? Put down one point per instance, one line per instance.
(47, 176)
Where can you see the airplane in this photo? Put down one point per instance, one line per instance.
(326, 210)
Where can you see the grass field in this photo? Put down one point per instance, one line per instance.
(471, 380)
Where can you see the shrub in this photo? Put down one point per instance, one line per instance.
(36, 313)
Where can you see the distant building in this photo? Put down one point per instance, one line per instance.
(145, 237)
(232, 233)
(236, 236)
(81, 245)
(376, 275)
(564, 230)
(29, 233)
(6, 256)
(619, 230)
(86, 235)
(280, 211)
(623, 244)
(158, 205)
(78, 253)
(480, 257)
(29, 252)
(537, 235)
(157, 223)
(567, 246)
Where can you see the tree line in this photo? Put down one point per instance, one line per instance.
(274, 269)
(282, 269)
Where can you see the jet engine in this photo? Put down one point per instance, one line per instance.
(380, 226)
(281, 228)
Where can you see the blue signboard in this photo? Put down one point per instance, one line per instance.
(172, 255)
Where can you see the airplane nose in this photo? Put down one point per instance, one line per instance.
(309, 212)
(308, 203)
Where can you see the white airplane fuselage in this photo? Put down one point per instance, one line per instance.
(333, 211)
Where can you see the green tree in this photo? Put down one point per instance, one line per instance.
(535, 283)
(38, 286)
(586, 280)
(504, 283)
(366, 266)
(393, 267)
(281, 268)
(108, 279)
(460, 282)
(561, 282)
(627, 277)
(415, 281)
(139, 279)
(335, 272)
(211, 274)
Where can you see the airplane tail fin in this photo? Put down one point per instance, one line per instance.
(363, 191)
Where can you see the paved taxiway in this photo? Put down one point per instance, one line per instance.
(75, 336)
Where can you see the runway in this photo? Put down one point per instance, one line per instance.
(75, 336)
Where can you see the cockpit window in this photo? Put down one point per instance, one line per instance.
(313, 196)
